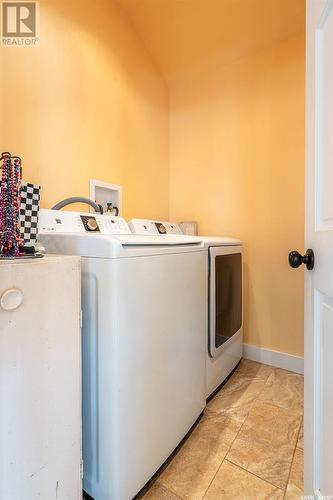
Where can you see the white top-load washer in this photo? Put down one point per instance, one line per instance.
(224, 281)
(144, 311)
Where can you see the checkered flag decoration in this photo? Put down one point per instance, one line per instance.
(30, 196)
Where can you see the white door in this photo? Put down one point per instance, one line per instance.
(319, 237)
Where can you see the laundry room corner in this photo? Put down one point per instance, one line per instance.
(90, 104)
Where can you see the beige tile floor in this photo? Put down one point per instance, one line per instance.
(247, 445)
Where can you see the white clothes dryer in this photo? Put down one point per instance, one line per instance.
(224, 281)
(144, 310)
(225, 309)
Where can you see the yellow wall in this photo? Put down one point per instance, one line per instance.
(237, 167)
(88, 103)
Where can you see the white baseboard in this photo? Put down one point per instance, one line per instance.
(274, 358)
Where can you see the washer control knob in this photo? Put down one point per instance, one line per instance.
(161, 228)
(92, 224)
(11, 299)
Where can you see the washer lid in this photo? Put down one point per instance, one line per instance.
(116, 246)
(151, 239)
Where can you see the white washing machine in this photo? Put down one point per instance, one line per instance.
(144, 310)
(224, 282)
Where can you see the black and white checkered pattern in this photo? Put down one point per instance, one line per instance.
(30, 196)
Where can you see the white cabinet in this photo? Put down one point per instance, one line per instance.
(40, 379)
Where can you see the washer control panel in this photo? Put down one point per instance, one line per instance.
(145, 226)
(57, 221)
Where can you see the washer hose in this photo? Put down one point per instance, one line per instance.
(78, 199)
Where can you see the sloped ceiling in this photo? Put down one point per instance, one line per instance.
(181, 34)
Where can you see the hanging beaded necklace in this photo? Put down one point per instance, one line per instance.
(11, 175)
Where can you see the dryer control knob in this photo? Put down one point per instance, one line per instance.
(11, 299)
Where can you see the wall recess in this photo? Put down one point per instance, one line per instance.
(105, 193)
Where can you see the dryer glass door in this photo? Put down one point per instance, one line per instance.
(225, 295)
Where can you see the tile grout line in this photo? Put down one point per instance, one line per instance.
(219, 467)
(292, 460)
(232, 442)
(170, 490)
(293, 454)
(253, 474)
(302, 425)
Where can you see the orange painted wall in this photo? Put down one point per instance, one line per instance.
(91, 103)
(88, 103)
(237, 167)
